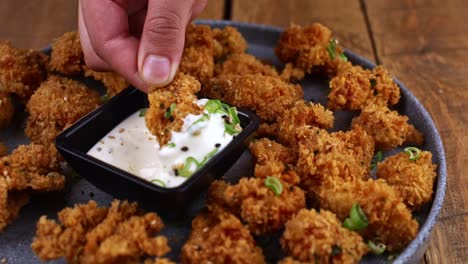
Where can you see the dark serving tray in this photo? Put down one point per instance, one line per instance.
(16, 239)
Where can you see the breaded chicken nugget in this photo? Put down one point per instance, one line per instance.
(388, 128)
(21, 71)
(91, 234)
(274, 159)
(243, 63)
(268, 96)
(220, 238)
(227, 41)
(3, 150)
(413, 180)
(259, 207)
(197, 59)
(320, 238)
(169, 106)
(67, 56)
(356, 87)
(311, 48)
(291, 73)
(113, 82)
(42, 132)
(7, 110)
(10, 203)
(390, 221)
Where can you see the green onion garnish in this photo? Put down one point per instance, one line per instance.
(342, 57)
(376, 248)
(331, 48)
(159, 182)
(373, 82)
(233, 113)
(170, 111)
(204, 118)
(413, 153)
(274, 184)
(171, 145)
(208, 156)
(357, 220)
(142, 112)
(212, 106)
(377, 158)
(104, 98)
(231, 129)
(186, 169)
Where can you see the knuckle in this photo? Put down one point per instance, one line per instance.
(165, 28)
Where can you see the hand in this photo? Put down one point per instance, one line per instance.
(142, 40)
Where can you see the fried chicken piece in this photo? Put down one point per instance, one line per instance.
(356, 87)
(3, 150)
(91, 234)
(21, 71)
(310, 236)
(388, 128)
(181, 95)
(113, 82)
(268, 96)
(158, 261)
(311, 48)
(258, 206)
(227, 41)
(243, 63)
(220, 238)
(197, 59)
(67, 56)
(7, 110)
(291, 73)
(390, 221)
(42, 132)
(412, 180)
(10, 203)
(274, 159)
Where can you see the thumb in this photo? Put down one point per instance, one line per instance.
(162, 40)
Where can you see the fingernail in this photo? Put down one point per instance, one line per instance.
(156, 69)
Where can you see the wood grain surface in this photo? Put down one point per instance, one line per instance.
(422, 42)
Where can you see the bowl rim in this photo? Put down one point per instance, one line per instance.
(424, 231)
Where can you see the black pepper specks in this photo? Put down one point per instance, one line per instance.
(217, 145)
(184, 148)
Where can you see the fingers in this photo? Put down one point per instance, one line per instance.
(107, 26)
(198, 7)
(162, 40)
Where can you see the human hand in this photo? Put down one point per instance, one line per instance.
(142, 40)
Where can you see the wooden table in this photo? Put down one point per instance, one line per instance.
(423, 42)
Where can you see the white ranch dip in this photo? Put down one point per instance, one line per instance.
(131, 147)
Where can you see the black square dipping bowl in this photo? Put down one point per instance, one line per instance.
(77, 140)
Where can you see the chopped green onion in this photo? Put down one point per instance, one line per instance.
(357, 220)
(231, 129)
(233, 113)
(208, 156)
(105, 98)
(331, 48)
(142, 112)
(377, 158)
(204, 118)
(376, 248)
(274, 184)
(170, 111)
(342, 56)
(413, 153)
(159, 182)
(171, 145)
(185, 171)
(212, 106)
(373, 82)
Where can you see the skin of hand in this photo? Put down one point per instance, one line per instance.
(142, 40)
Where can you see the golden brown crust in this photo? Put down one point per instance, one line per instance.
(268, 96)
(243, 63)
(319, 238)
(220, 238)
(67, 56)
(10, 203)
(356, 87)
(181, 94)
(390, 221)
(113, 82)
(21, 71)
(7, 110)
(388, 128)
(412, 180)
(291, 73)
(91, 234)
(227, 41)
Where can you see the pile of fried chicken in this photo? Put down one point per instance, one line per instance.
(311, 185)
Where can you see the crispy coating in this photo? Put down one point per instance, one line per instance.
(113, 82)
(258, 206)
(310, 236)
(227, 41)
(7, 110)
(291, 73)
(42, 132)
(307, 48)
(412, 180)
(180, 92)
(243, 63)
(268, 96)
(390, 221)
(388, 128)
(220, 238)
(274, 159)
(91, 234)
(10, 203)
(356, 87)
(3, 150)
(158, 261)
(67, 56)
(21, 71)
(197, 59)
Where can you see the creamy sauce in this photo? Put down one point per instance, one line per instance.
(131, 147)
